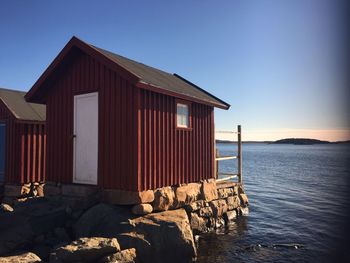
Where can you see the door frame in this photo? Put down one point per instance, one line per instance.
(75, 98)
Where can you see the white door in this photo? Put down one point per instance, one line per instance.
(85, 138)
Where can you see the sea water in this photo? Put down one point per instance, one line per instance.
(299, 206)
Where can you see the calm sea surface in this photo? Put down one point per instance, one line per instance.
(299, 194)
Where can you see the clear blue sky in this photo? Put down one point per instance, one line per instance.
(278, 63)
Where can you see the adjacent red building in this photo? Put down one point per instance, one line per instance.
(120, 124)
(22, 139)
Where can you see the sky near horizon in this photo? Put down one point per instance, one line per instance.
(280, 64)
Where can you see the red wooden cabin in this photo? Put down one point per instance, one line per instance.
(120, 124)
(22, 139)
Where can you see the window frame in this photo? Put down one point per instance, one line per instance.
(189, 106)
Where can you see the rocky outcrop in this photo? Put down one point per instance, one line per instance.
(41, 225)
(124, 256)
(85, 250)
(157, 237)
(28, 221)
(22, 258)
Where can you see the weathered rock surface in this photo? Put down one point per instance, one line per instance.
(142, 209)
(139, 242)
(124, 256)
(5, 208)
(225, 192)
(85, 250)
(170, 235)
(209, 191)
(163, 199)
(187, 194)
(157, 237)
(198, 224)
(219, 207)
(195, 206)
(22, 258)
(103, 220)
(244, 211)
(230, 216)
(244, 199)
(233, 202)
(206, 212)
(121, 197)
(29, 220)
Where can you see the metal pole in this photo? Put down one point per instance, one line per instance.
(239, 154)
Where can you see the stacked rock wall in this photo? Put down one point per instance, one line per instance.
(209, 205)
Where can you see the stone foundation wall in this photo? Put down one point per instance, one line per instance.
(209, 204)
(12, 193)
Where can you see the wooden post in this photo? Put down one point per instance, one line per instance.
(217, 154)
(239, 154)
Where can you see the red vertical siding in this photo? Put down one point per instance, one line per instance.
(117, 153)
(170, 155)
(25, 149)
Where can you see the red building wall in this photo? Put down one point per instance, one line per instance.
(139, 145)
(117, 162)
(171, 155)
(25, 149)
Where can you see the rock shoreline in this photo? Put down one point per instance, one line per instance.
(152, 226)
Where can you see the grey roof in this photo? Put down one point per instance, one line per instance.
(22, 110)
(162, 79)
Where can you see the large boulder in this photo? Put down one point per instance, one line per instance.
(157, 237)
(163, 199)
(186, 194)
(170, 235)
(25, 258)
(29, 220)
(124, 256)
(139, 242)
(103, 220)
(85, 250)
(209, 191)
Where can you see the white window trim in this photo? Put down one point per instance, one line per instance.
(183, 115)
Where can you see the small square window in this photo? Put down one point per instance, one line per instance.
(183, 120)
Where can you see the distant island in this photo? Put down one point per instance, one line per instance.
(303, 141)
(295, 141)
(228, 141)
